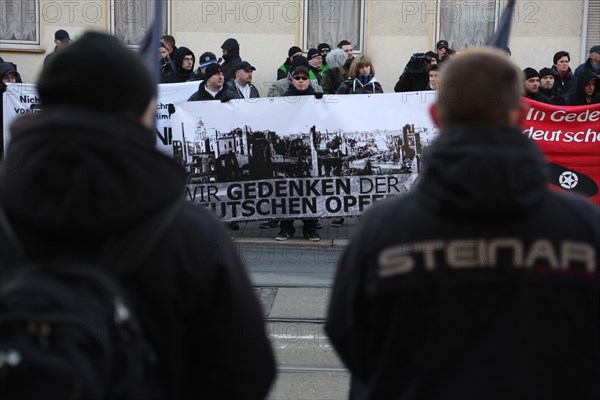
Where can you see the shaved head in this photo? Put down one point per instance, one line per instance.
(480, 85)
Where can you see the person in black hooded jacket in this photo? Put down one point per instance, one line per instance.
(231, 57)
(482, 283)
(586, 90)
(95, 183)
(184, 60)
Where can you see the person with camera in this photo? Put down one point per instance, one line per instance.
(416, 74)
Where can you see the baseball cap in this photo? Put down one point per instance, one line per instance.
(245, 65)
(595, 49)
(442, 44)
(300, 68)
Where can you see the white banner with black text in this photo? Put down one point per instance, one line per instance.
(300, 156)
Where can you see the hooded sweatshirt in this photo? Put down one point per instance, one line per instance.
(578, 97)
(180, 74)
(81, 185)
(231, 59)
(464, 289)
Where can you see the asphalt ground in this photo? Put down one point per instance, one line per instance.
(249, 232)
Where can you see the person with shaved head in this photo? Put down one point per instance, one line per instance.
(482, 283)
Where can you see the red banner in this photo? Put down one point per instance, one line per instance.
(569, 137)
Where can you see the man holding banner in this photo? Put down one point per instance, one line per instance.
(482, 283)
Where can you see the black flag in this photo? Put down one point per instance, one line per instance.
(149, 47)
(500, 38)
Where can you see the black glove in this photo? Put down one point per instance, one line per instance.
(171, 108)
(2, 87)
(225, 99)
(318, 95)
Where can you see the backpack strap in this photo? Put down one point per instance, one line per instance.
(134, 246)
(170, 216)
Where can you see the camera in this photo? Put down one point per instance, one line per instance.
(420, 57)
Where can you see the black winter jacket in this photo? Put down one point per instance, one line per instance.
(540, 97)
(96, 178)
(578, 96)
(230, 64)
(232, 92)
(412, 82)
(292, 91)
(180, 75)
(354, 86)
(201, 94)
(480, 284)
(564, 84)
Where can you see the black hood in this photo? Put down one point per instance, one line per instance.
(7, 67)
(233, 49)
(231, 45)
(579, 97)
(178, 58)
(73, 177)
(483, 171)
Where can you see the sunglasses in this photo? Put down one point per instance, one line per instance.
(301, 78)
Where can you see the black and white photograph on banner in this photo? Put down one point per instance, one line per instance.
(300, 157)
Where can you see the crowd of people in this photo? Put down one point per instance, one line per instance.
(559, 85)
(331, 71)
(338, 71)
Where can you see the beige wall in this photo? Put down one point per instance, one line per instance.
(74, 16)
(266, 29)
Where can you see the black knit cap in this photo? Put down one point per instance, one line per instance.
(294, 50)
(299, 61)
(547, 71)
(312, 53)
(299, 64)
(99, 73)
(323, 46)
(211, 70)
(530, 73)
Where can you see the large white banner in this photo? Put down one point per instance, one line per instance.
(301, 156)
(21, 99)
(169, 93)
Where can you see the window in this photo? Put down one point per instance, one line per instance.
(467, 23)
(19, 22)
(591, 24)
(331, 21)
(130, 19)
